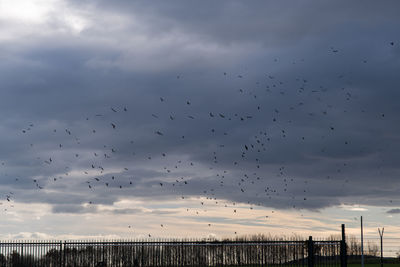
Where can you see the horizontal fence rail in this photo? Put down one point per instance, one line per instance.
(170, 253)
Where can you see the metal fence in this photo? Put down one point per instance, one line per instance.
(170, 253)
(30, 253)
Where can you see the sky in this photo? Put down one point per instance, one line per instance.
(162, 119)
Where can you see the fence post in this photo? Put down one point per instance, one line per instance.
(343, 249)
(310, 252)
(181, 254)
(64, 253)
(22, 254)
(222, 253)
(61, 254)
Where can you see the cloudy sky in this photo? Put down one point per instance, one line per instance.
(126, 119)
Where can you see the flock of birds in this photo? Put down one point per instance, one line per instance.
(236, 163)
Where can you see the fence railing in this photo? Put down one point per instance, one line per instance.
(171, 253)
(182, 253)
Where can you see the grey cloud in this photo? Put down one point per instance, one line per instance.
(393, 211)
(136, 211)
(260, 21)
(126, 211)
(67, 208)
(276, 58)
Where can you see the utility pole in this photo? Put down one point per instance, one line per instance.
(362, 244)
(381, 235)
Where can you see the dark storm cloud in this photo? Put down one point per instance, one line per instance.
(261, 21)
(304, 115)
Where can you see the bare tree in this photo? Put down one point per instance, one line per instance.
(372, 249)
